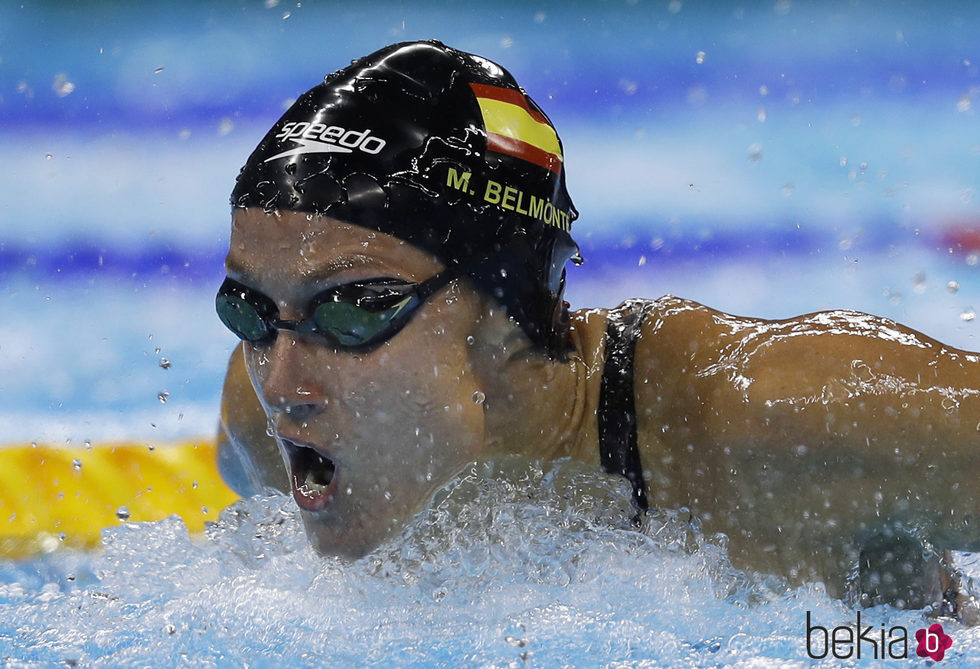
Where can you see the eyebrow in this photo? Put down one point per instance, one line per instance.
(245, 274)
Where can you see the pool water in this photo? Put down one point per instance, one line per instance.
(513, 564)
(503, 569)
(770, 159)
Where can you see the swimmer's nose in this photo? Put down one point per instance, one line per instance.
(292, 382)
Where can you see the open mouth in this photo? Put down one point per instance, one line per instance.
(313, 476)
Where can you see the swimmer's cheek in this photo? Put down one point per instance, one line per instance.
(232, 469)
(248, 457)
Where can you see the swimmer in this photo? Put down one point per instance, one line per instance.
(396, 273)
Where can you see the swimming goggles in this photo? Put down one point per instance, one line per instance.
(356, 315)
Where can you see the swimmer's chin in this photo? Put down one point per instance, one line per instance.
(328, 541)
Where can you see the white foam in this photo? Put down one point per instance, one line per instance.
(503, 572)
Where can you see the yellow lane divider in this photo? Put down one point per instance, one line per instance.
(54, 496)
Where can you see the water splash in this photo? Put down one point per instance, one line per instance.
(503, 567)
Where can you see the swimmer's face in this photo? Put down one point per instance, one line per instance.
(366, 436)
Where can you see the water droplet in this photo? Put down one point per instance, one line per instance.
(77, 464)
(165, 363)
(968, 314)
(919, 283)
(194, 484)
(470, 339)
(61, 86)
(755, 153)
(48, 156)
(204, 510)
(122, 513)
(388, 495)
(170, 629)
(269, 4)
(699, 58)
(62, 536)
(697, 95)
(479, 397)
(158, 70)
(952, 287)
(163, 396)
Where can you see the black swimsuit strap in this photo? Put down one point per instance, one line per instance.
(618, 449)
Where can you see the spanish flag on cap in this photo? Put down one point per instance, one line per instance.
(514, 128)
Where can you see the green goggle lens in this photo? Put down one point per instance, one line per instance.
(354, 315)
(351, 325)
(241, 318)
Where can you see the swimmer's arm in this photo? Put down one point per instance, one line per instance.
(248, 457)
(788, 434)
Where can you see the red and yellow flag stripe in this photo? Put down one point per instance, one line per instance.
(514, 128)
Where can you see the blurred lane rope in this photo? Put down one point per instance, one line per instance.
(52, 496)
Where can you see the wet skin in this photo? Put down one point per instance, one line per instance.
(800, 439)
(396, 422)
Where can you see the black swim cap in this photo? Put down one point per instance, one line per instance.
(440, 148)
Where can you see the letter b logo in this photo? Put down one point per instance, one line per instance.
(933, 642)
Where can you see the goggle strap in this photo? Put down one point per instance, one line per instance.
(430, 286)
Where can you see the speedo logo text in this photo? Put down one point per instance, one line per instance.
(322, 138)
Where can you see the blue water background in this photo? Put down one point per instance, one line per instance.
(770, 158)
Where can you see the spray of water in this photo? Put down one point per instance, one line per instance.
(512, 563)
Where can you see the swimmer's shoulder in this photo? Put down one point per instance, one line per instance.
(668, 321)
(674, 330)
(679, 338)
